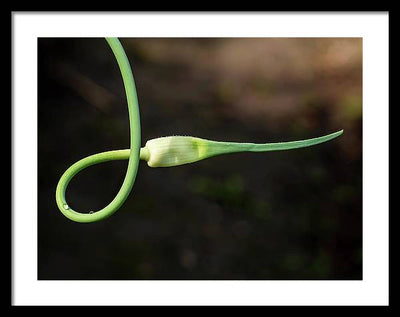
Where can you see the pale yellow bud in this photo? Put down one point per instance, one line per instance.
(173, 150)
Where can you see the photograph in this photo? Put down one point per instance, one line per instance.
(200, 158)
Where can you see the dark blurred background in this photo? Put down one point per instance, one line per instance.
(279, 215)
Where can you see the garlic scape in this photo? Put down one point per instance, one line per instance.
(160, 152)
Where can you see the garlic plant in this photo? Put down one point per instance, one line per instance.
(160, 152)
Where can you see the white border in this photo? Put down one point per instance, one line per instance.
(372, 27)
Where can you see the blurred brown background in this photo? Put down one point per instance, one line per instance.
(280, 215)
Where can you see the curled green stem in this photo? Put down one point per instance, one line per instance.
(135, 139)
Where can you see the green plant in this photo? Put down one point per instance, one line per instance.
(160, 152)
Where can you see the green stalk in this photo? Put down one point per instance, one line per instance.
(160, 152)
